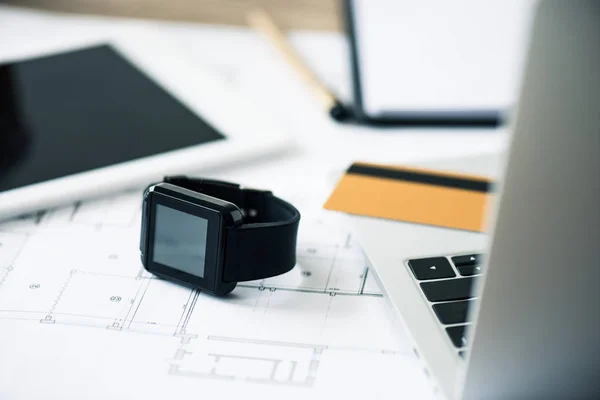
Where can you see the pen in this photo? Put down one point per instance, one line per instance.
(263, 23)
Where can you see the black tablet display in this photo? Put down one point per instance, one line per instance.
(81, 110)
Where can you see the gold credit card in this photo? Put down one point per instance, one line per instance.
(422, 196)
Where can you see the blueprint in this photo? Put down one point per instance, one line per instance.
(81, 318)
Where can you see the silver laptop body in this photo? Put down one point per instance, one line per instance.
(534, 330)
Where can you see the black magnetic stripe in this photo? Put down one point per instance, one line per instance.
(421, 177)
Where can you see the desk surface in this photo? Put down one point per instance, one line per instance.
(298, 14)
(321, 332)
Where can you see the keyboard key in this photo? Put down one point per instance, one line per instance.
(468, 270)
(471, 259)
(453, 313)
(457, 335)
(453, 289)
(431, 268)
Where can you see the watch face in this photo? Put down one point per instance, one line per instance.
(180, 240)
(183, 239)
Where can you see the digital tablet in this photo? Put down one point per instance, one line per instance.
(81, 120)
(435, 63)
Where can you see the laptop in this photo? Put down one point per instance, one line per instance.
(514, 313)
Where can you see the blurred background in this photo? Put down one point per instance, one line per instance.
(413, 57)
(298, 14)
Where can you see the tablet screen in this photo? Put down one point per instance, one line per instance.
(86, 109)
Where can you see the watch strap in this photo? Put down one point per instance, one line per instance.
(265, 244)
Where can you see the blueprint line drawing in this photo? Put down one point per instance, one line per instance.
(267, 362)
(79, 267)
(122, 292)
(181, 330)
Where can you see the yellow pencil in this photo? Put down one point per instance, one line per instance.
(263, 23)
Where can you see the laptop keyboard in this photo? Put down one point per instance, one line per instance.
(448, 283)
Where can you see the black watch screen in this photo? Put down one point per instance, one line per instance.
(180, 240)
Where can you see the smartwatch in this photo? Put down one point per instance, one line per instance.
(210, 234)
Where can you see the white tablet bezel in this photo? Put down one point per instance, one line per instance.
(249, 131)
